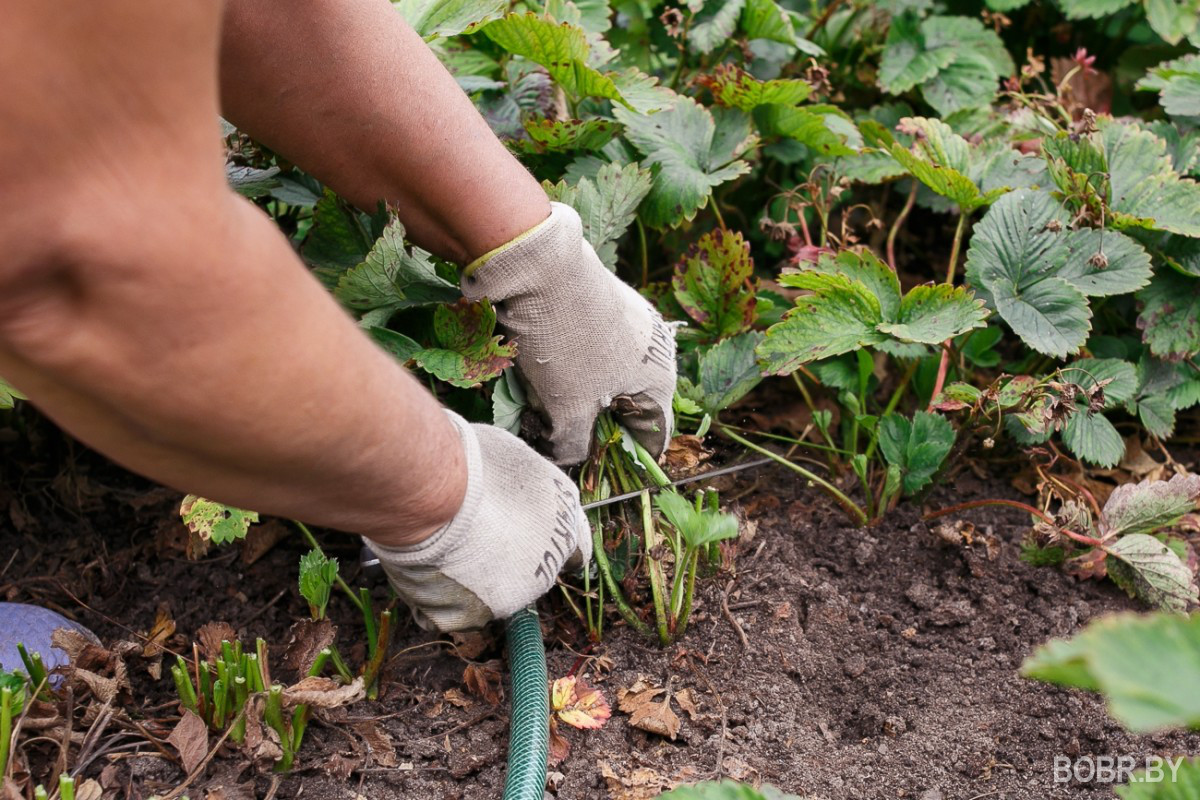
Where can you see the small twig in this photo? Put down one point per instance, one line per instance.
(898, 223)
(729, 616)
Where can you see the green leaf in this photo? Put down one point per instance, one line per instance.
(698, 528)
(969, 82)
(1170, 316)
(1145, 191)
(940, 159)
(823, 128)
(1173, 19)
(508, 402)
(607, 204)
(908, 60)
(393, 277)
(1149, 506)
(468, 353)
(714, 25)
(404, 348)
(642, 92)
(1157, 414)
(336, 241)
(729, 370)
(434, 18)
(1051, 316)
(561, 136)
(1146, 568)
(734, 87)
(714, 283)
(917, 446)
(726, 790)
(766, 19)
(1184, 783)
(215, 522)
(692, 158)
(252, 182)
(1094, 439)
(317, 575)
(1178, 82)
(8, 395)
(859, 265)
(840, 319)
(561, 48)
(1118, 377)
(1092, 9)
(931, 314)
(1147, 667)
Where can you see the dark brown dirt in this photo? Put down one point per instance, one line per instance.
(877, 664)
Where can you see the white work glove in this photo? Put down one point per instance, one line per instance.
(520, 523)
(586, 341)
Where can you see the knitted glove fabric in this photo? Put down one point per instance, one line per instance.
(520, 523)
(586, 341)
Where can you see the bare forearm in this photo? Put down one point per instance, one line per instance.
(238, 378)
(347, 90)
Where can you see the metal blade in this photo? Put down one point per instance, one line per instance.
(715, 473)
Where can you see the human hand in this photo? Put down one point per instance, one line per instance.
(586, 341)
(519, 524)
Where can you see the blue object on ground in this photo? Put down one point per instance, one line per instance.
(32, 626)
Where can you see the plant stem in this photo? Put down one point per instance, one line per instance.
(342, 670)
(654, 568)
(652, 468)
(688, 594)
(898, 223)
(645, 252)
(312, 542)
(955, 245)
(849, 505)
(364, 602)
(6, 698)
(66, 787)
(717, 213)
(618, 598)
(273, 716)
(1042, 515)
(893, 401)
(371, 670)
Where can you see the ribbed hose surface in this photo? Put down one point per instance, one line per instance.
(529, 726)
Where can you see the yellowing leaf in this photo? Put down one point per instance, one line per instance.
(579, 705)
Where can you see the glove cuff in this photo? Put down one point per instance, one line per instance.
(434, 550)
(528, 262)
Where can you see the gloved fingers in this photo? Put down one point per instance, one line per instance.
(648, 416)
(570, 435)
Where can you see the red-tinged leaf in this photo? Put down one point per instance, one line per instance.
(714, 284)
(467, 353)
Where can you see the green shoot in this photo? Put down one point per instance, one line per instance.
(317, 576)
(12, 703)
(66, 787)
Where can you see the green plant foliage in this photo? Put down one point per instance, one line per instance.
(465, 353)
(1147, 668)
(393, 277)
(434, 18)
(728, 371)
(917, 446)
(940, 159)
(317, 575)
(1037, 273)
(1170, 317)
(856, 302)
(607, 203)
(1178, 85)
(558, 136)
(1185, 784)
(698, 527)
(694, 151)
(714, 284)
(726, 790)
(215, 522)
(8, 395)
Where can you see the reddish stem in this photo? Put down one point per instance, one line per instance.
(943, 368)
(1042, 515)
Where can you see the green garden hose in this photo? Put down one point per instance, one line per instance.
(529, 719)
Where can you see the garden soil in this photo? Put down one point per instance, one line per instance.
(834, 663)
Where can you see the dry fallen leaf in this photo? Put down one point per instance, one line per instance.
(164, 629)
(210, 635)
(471, 644)
(324, 693)
(560, 748)
(190, 740)
(379, 744)
(579, 705)
(457, 699)
(89, 790)
(483, 681)
(641, 784)
(684, 455)
(687, 701)
(308, 639)
(645, 713)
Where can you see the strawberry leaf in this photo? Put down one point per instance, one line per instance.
(8, 395)
(917, 446)
(932, 314)
(1184, 784)
(1147, 667)
(1144, 189)
(607, 204)
(729, 370)
(714, 284)
(1149, 506)
(1170, 317)
(731, 86)
(434, 18)
(317, 575)
(1148, 569)
(215, 522)
(468, 353)
(941, 159)
(839, 319)
(1093, 438)
(908, 59)
(576, 704)
(560, 136)
(692, 152)
(714, 25)
(766, 19)
(393, 277)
